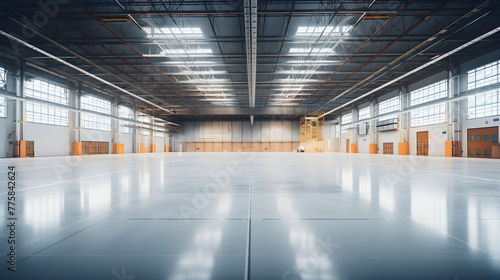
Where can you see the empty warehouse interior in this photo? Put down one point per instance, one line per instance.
(249, 139)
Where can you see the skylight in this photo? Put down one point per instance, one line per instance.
(312, 31)
(209, 72)
(311, 50)
(205, 81)
(172, 33)
(183, 51)
(212, 89)
(296, 72)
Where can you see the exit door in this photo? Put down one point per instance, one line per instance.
(423, 143)
(480, 141)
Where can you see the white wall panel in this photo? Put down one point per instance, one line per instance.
(276, 131)
(216, 132)
(227, 132)
(256, 132)
(264, 131)
(296, 131)
(51, 140)
(247, 132)
(287, 131)
(189, 131)
(237, 131)
(198, 132)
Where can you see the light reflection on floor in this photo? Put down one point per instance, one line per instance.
(313, 216)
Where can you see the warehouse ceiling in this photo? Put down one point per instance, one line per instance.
(226, 60)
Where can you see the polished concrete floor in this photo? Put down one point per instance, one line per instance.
(253, 216)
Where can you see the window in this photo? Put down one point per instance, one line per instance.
(347, 118)
(486, 153)
(482, 76)
(483, 105)
(125, 113)
(389, 105)
(478, 137)
(471, 152)
(146, 121)
(478, 152)
(92, 121)
(429, 93)
(471, 137)
(44, 113)
(3, 107)
(364, 113)
(486, 137)
(159, 132)
(429, 115)
(3, 78)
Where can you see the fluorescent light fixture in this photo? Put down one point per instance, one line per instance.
(216, 94)
(311, 31)
(210, 72)
(194, 62)
(183, 51)
(311, 50)
(172, 33)
(318, 62)
(296, 72)
(285, 99)
(213, 89)
(298, 80)
(204, 81)
(288, 89)
(217, 99)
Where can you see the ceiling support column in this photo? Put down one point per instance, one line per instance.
(251, 46)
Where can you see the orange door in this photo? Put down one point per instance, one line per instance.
(423, 143)
(388, 148)
(480, 141)
(347, 146)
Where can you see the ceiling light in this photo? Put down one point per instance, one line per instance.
(295, 72)
(297, 80)
(285, 104)
(213, 89)
(288, 89)
(204, 81)
(311, 31)
(216, 99)
(318, 62)
(194, 62)
(172, 33)
(183, 51)
(216, 94)
(311, 50)
(210, 72)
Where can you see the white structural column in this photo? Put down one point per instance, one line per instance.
(19, 115)
(404, 116)
(251, 46)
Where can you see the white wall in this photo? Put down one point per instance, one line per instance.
(436, 139)
(50, 140)
(238, 131)
(6, 127)
(96, 135)
(332, 144)
(387, 136)
(128, 140)
(364, 144)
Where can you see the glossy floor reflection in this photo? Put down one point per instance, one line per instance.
(253, 216)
